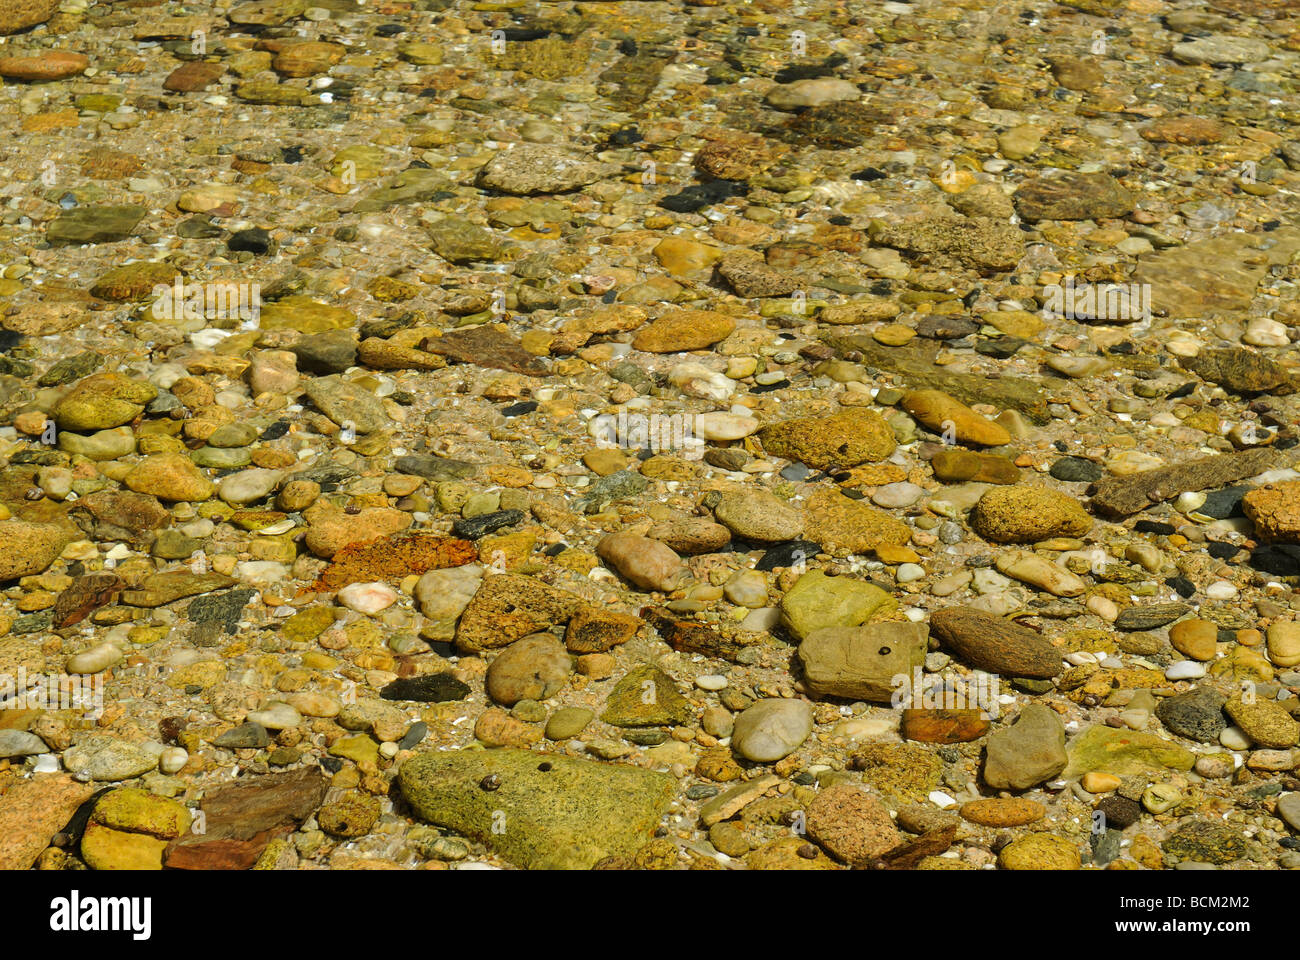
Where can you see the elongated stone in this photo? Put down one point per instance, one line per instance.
(1117, 497)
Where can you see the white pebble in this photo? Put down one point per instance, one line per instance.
(1234, 739)
(711, 681)
(907, 572)
(173, 759)
(367, 598)
(1185, 670)
(1221, 590)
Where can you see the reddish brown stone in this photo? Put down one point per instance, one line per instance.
(86, 595)
(244, 809)
(219, 853)
(193, 76)
(1186, 130)
(907, 855)
(944, 726)
(995, 644)
(53, 65)
(103, 163)
(393, 558)
(851, 825)
(689, 636)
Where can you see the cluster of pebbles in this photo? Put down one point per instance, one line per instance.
(714, 435)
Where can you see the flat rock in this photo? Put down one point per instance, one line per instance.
(1029, 752)
(557, 812)
(862, 663)
(1118, 497)
(1112, 750)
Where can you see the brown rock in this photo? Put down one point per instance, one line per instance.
(52, 65)
(86, 594)
(330, 529)
(507, 607)
(691, 535)
(943, 726)
(841, 440)
(959, 466)
(1186, 130)
(844, 526)
(18, 15)
(684, 330)
(119, 515)
(27, 548)
(1274, 509)
(193, 76)
(851, 825)
(32, 812)
(595, 630)
(1117, 497)
(1003, 811)
(1027, 514)
(496, 728)
(487, 345)
(991, 643)
(246, 808)
(1197, 639)
(534, 668)
(947, 415)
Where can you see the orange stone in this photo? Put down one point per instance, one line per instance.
(943, 726)
(54, 65)
(1003, 812)
(393, 558)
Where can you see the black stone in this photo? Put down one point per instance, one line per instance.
(1153, 526)
(254, 240)
(275, 431)
(1120, 812)
(697, 196)
(1182, 586)
(1196, 714)
(1220, 550)
(414, 734)
(1225, 503)
(1076, 470)
(430, 688)
(1273, 560)
(246, 736)
(787, 554)
(221, 608)
(474, 527)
